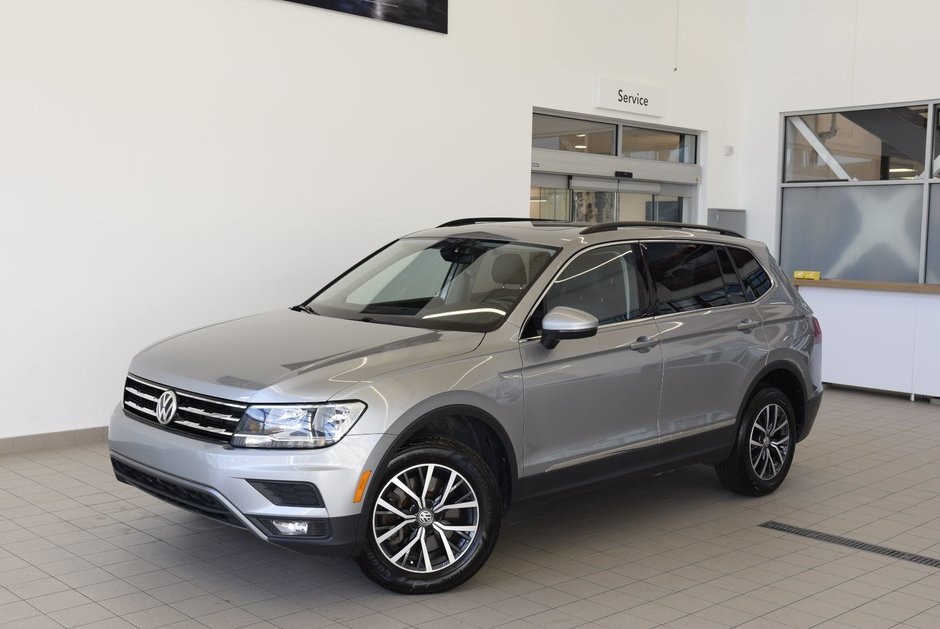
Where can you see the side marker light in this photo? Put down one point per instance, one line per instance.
(361, 487)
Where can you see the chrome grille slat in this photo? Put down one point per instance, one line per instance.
(198, 416)
(197, 411)
(141, 394)
(141, 409)
(152, 385)
(240, 407)
(212, 429)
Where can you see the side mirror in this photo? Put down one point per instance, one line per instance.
(562, 322)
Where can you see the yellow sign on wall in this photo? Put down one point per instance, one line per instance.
(806, 275)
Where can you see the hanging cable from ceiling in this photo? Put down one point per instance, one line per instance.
(675, 65)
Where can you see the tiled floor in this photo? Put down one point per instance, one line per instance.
(79, 549)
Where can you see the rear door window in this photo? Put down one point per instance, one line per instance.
(733, 285)
(755, 279)
(689, 276)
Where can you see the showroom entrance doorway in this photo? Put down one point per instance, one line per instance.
(597, 199)
(593, 169)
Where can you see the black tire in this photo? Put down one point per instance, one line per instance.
(758, 467)
(463, 557)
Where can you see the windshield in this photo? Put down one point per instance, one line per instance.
(445, 284)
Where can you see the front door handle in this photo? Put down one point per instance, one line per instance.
(747, 325)
(643, 344)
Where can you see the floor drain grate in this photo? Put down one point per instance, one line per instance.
(852, 543)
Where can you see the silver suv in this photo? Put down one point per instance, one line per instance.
(396, 414)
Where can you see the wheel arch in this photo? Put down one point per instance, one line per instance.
(785, 376)
(466, 423)
(476, 428)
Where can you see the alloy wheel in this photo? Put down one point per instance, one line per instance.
(769, 441)
(425, 518)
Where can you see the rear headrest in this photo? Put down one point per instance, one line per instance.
(508, 268)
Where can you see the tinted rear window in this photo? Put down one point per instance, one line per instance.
(755, 278)
(687, 276)
(733, 285)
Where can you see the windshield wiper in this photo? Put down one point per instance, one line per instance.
(303, 308)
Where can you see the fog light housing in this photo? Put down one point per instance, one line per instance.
(291, 527)
(294, 527)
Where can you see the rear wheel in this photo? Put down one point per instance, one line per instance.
(763, 451)
(434, 520)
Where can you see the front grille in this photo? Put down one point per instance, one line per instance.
(196, 415)
(201, 502)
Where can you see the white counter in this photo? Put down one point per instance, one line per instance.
(878, 335)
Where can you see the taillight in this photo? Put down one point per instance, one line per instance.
(817, 331)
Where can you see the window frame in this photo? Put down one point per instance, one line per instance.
(737, 274)
(619, 125)
(788, 116)
(931, 152)
(614, 130)
(554, 250)
(744, 285)
(642, 275)
(683, 135)
(712, 243)
(652, 297)
(657, 300)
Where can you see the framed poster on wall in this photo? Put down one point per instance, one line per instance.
(427, 14)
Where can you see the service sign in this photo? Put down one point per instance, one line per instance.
(631, 97)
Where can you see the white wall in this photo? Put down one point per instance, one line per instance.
(807, 54)
(169, 164)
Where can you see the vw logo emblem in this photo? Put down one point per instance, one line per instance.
(425, 517)
(166, 407)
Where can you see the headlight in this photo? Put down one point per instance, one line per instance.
(307, 426)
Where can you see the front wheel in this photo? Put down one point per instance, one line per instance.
(434, 520)
(764, 447)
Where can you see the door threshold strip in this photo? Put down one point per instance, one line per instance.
(852, 543)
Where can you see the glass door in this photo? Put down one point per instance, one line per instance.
(593, 206)
(667, 208)
(634, 206)
(596, 200)
(549, 203)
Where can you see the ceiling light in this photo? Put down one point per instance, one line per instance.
(900, 170)
(581, 135)
(580, 146)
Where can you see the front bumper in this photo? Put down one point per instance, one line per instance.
(212, 479)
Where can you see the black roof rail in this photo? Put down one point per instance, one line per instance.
(608, 227)
(494, 219)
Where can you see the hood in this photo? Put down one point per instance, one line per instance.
(288, 356)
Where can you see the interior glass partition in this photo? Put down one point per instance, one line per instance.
(852, 232)
(665, 146)
(935, 167)
(933, 236)
(565, 133)
(856, 145)
(570, 134)
(859, 188)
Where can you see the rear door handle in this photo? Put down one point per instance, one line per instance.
(747, 325)
(643, 344)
